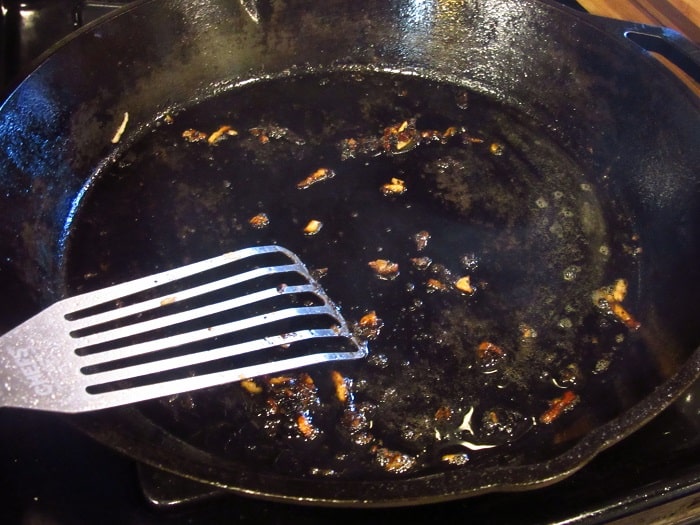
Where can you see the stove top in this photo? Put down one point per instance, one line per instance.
(53, 474)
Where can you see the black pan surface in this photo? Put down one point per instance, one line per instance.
(546, 189)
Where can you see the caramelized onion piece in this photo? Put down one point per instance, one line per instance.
(487, 349)
(393, 461)
(395, 187)
(220, 133)
(340, 383)
(421, 239)
(259, 221)
(608, 300)
(435, 285)
(251, 386)
(384, 268)
(319, 175)
(193, 135)
(369, 325)
(464, 285)
(558, 406)
(313, 227)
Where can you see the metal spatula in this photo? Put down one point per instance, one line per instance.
(243, 314)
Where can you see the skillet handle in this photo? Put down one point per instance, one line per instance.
(668, 43)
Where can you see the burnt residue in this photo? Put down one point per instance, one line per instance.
(454, 379)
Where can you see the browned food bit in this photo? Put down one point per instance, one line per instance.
(421, 239)
(421, 263)
(220, 133)
(370, 320)
(279, 380)
(400, 138)
(362, 146)
(313, 227)
(319, 175)
(272, 131)
(456, 459)
(357, 423)
(492, 417)
(623, 315)
(394, 187)
(298, 393)
(392, 461)
(369, 325)
(259, 221)
(619, 290)
(306, 428)
(434, 285)
(306, 379)
(384, 269)
(451, 132)
(527, 331)
(443, 413)
(251, 386)
(487, 350)
(503, 423)
(404, 143)
(443, 137)
(168, 300)
(121, 129)
(440, 272)
(431, 135)
(558, 406)
(468, 139)
(272, 406)
(464, 285)
(291, 400)
(193, 135)
(261, 135)
(348, 148)
(496, 149)
(342, 392)
(609, 299)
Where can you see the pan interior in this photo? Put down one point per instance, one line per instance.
(437, 179)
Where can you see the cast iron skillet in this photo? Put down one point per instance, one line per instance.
(626, 121)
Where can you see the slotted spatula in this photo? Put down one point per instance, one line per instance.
(243, 314)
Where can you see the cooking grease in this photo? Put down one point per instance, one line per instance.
(406, 179)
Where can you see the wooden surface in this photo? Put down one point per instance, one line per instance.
(681, 15)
